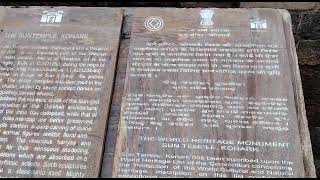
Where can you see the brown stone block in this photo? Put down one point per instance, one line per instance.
(208, 4)
(309, 52)
(309, 27)
(281, 5)
(144, 119)
(295, 19)
(310, 77)
(58, 64)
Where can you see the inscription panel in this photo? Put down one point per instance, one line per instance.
(56, 72)
(208, 93)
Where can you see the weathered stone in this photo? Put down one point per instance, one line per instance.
(309, 27)
(39, 3)
(114, 116)
(317, 164)
(132, 140)
(308, 52)
(57, 66)
(144, 4)
(126, 27)
(208, 4)
(280, 5)
(310, 77)
(295, 17)
(315, 138)
(296, 39)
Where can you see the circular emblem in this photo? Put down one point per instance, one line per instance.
(153, 23)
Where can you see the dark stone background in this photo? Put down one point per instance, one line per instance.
(306, 30)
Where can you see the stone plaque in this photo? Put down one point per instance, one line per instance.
(56, 78)
(209, 93)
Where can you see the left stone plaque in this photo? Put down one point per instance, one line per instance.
(57, 69)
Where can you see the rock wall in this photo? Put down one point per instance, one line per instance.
(306, 28)
(308, 50)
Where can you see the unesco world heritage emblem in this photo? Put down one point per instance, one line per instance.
(51, 17)
(206, 17)
(258, 24)
(153, 23)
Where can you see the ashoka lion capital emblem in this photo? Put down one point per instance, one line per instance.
(206, 17)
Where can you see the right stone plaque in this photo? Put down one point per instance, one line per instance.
(209, 93)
